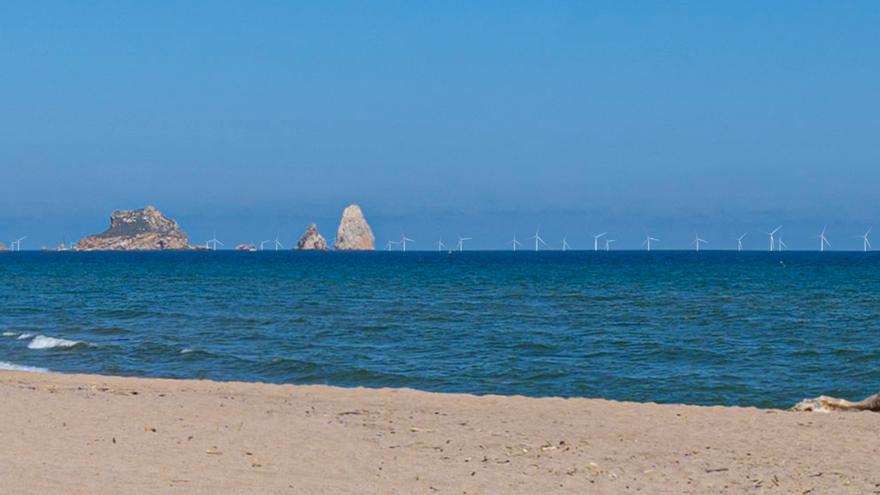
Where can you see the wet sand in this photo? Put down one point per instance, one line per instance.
(85, 434)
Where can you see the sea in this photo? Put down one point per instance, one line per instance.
(711, 328)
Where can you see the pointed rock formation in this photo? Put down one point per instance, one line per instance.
(137, 230)
(311, 240)
(354, 232)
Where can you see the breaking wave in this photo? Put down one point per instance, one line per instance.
(43, 342)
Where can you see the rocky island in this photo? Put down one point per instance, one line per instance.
(311, 240)
(3, 248)
(137, 230)
(354, 233)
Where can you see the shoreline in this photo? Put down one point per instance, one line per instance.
(6, 366)
(74, 433)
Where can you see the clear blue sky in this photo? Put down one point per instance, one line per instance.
(479, 118)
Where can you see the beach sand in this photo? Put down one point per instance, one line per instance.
(93, 434)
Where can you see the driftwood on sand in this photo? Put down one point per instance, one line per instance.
(829, 404)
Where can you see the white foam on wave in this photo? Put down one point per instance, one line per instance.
(9, 334)
(187, 351)
(4, 366)
(43, 342)
(25, 336)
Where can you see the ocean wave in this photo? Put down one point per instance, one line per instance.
(4, 366)
(9, 334)
(187, 351)
(25, 336)
(43, 342)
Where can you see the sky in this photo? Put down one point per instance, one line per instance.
(483, 119)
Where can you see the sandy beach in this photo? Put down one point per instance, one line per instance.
(96, 434)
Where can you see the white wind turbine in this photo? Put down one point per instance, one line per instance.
(263, 243)
(515, 242)
(537, 238)
(390, 244)
(608, 243)
(213, 241)
(596, 240)
(647, 243)
(823, 241)
(771, 234)
(278, 244)
(461, 243)
(780, 244)
(866, 245)
(565, 244)
(739, 242)
(697, 241)
(16, 244)
(403, 240)
(441, 246)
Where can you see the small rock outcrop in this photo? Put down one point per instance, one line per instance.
(311, 240)
(354, 232)
(3, 248)
(137, 230)
(246, 247)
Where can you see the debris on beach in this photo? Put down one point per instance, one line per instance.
(826, 404)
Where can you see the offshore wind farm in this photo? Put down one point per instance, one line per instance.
(404, 243)
(696, 244)
(148, 229)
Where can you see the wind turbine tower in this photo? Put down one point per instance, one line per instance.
(515, 243)
(647, 243)
(537, 238)
(697, 242)
(596, 240)
(565, 244)
(461, 243)
(771, 234)
(403, 240)
(212, 244)
(866, 245)
(823, 241)
(739, 242)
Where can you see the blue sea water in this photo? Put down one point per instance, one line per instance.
(761, 329)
